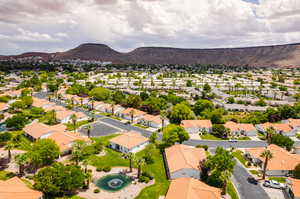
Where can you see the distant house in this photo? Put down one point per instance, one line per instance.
(294, 123)
(190, 188)
(65, 140)
(41, 103)
(153, 121)
(280, 128)
(15, 188)
(241, 129)
(293, 188)
(132, 113)
(129, 142)
(184, 161)
(282, 163)
(38, 130)
(3, 107)
(197, 126)
(65, 116)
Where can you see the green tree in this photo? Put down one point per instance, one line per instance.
(296, 172)
(88, 130)
(282, 141)
(231, 100)
(220, 131)
(267, 154)
(9, 146)
(17, 121)
(43, 152)
(118, 97)
(206, 88)
(202, 105)
(130, 156)
(134, 101)
(100, 93)
(59, 179)
(173, 134)
(181, 112)
(139, 162)
(22, 160)
(74, 121)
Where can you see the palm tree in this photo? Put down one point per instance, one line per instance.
(9, 146)
(113, 108)
(267, 154)
(163, 117)
(77, 153)
(53, 116)
(270, 132)
(225, 176)
(21, 160)
(81, 101)
(92, 104)
(85, 164)
(88, 177)
(72, 101)
(132, 112)
(139, 163)
(74, 120)
(88, 130)
(130, 157)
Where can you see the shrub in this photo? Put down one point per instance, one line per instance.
(144, 179)
(96, 190)
(99, 169)
(107, 168)
(205, 147)
(147, 174)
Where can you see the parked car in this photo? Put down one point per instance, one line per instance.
(273, 184)
(252, 180)
(232, 140)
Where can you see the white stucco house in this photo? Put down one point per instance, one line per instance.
(183, 161)
(130, 141)
(153, 121)
(241, 129)
(197, 126)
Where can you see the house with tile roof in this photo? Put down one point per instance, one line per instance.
(282, 163)
(241, 129)
(3, 107)
(65, 140)
(190, 188)
(132, 113)
(153, 121)
(65, 116)
(280, 128)
(130, 141)
(197, 126)
(293, 188)
(15, 188)
(183, 161)
(36, 130)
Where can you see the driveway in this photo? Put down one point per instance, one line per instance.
(99, 129)
(245, 189)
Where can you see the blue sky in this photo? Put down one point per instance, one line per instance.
(58, 25)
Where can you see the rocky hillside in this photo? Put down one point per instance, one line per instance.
(279, 55)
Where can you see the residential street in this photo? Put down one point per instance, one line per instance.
(247, 190)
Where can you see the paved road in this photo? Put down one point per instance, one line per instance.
(247, 190)
(227, 144)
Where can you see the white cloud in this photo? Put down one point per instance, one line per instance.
(126, 24)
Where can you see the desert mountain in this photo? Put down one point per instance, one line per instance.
(278, 55)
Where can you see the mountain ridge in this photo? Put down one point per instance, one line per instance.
(282, 55)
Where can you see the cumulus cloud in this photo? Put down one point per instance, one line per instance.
(126, 24)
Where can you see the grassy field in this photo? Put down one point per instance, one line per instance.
(113, 159)
(254, 172)
(243, 138)
(210, 137)
(231, 191)
(70, 126)
(5, 175)
(239, 155)
(140, 126)
(278, 179)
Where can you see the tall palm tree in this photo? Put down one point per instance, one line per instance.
(53, 116)
(267, 154)
(92, 104)
(132, 112)
(130, 157)
(77, 154)
(9, 146)
(85, 164)
(21, 160)
(225, 176)
(163, 117)
(72, 101)
(113, 108)
(88, 130)
(81, 101)
(74, 120)
(270, 132)
(140, 162)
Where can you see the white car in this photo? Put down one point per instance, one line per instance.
(273, 184)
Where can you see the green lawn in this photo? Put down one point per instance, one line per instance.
(239, 155)
(278, 179)
(254, 172)
(243, 138)
(22, 143)
(70, 126)
(231, 191)
(113, 159)
(140, 126)
(209, 137)
(5, 175)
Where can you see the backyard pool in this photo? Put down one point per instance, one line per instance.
(113, 182)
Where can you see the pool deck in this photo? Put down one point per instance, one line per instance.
(130, 191)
